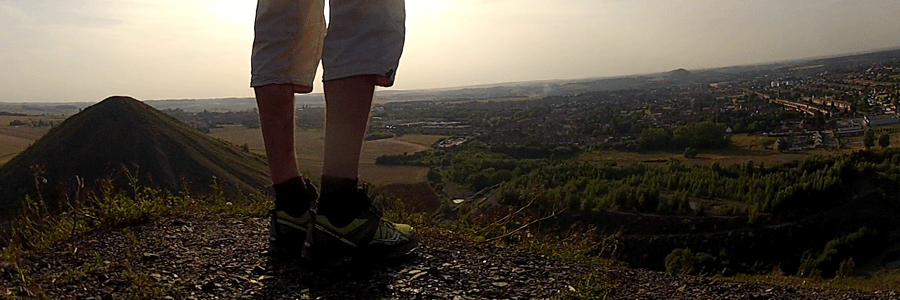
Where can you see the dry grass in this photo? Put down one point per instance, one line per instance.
(752, 142)
(311, 144)
(421, 139)
(4, 120)
(16, 139)
(880, 281)
(239, 135)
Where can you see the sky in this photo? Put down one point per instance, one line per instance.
(86, 50)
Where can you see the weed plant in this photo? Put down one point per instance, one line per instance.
(38, 227)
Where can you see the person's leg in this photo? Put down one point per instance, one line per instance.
(287, 47)
(276, 118)
(348, 101)
(344, 210)
(293, 193)
(362, 49)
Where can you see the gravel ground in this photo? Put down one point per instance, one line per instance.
(226, 258)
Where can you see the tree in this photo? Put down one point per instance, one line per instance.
(655, 139)
(705, 135)
(819, 120)
(869, 139)
(690, 152)
(884, 140)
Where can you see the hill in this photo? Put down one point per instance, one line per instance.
(680, 74)
(120, 140)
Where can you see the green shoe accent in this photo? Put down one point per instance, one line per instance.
(292, 198)
(283, 218)
(390, 234)
(287, 233)
(367, 236)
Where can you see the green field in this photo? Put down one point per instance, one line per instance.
(723, 157)
(744, 147)
(310, 148)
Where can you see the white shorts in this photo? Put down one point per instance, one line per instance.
(365, 37)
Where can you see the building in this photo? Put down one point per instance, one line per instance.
(882, 120)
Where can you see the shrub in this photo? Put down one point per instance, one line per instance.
(684, 262)
(836, 260)
(690, 152)
(846, 269)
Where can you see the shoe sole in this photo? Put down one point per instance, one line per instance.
(330, 256)
(284, 247)
(348, 251)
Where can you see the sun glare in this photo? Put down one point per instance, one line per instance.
(243, 11)
(415, 8)
(235, 11)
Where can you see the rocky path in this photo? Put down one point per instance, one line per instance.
(226, 259)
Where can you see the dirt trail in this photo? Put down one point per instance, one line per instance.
(226, 258)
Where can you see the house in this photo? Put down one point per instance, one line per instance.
(882, 120)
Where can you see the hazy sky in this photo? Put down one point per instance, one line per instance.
(86, 50)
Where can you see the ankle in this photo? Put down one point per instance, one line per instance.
(295, 195)
(332, 184)
(342, 200)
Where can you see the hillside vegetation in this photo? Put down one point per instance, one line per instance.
(813, 216)
(149, 244)
(121, 140)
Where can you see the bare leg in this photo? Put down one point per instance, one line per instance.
(348, 102)
(276, 118)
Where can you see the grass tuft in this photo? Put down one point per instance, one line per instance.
(38, 228)
(884, 280)
(596, 285)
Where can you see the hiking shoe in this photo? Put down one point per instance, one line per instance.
(367, 236)
(287, 233)
(290, 218)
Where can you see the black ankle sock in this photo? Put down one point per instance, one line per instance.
(294, 195)
(335, 184)
(341, 201)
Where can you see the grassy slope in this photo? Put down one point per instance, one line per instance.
(122, 132)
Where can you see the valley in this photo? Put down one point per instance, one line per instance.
(788, 169)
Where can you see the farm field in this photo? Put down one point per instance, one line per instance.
(310, 144)
(744, 148)
(723, 157)
(310, 147)
(15, 139)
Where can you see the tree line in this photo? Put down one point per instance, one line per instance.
(782, 189)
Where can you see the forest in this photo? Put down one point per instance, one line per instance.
(547, 178)
(658, 189)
